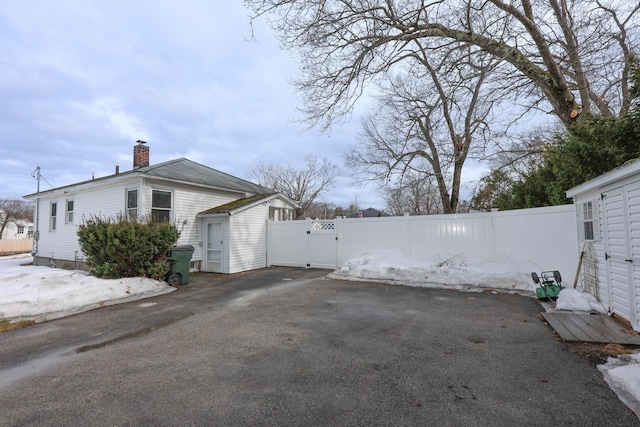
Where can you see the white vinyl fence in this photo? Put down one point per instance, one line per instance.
(547, 236)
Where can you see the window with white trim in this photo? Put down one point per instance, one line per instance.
(20, 229)
(589, 220)
(132, 204)
(53, 215)
(161, 201)
(69, 212)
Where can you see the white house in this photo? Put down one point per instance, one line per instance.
(608, 213)
(19, 230)
(181, 191)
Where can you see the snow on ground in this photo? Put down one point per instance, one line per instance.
(442, 271)
(43, 293)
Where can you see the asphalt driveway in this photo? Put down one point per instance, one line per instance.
(286, 347)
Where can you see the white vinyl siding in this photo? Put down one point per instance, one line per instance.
(186, 204)
(63, 244)
(248, 243)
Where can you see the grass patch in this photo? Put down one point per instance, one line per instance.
(598, 353)
(7, 325)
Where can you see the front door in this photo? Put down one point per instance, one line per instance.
(214, 254)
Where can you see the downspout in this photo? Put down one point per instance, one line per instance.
(36, 233)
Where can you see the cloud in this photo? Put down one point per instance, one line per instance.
(80, 82)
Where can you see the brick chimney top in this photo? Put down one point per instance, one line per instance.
(140, 155)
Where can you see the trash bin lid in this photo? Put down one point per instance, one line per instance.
(184, 248)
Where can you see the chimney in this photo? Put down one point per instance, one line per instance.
(117, 169)
(140, 155)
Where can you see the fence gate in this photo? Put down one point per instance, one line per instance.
(322, 244)
(309, 243)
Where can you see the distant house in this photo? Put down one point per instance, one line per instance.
(367, 213)
(19, 230)
(222, 216)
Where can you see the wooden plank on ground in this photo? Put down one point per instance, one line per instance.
(609, 327)
(559, 326)
(590, 328)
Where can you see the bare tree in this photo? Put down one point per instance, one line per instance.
(303, 185)
(430, 123)
(414, 196)
(14, 211)
(562, 56)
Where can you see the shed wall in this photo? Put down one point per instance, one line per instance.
(248, 243)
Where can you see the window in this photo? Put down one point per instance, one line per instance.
(589, 221)
(161, 205)
(53, 215)
(30, 232)
(69, 216)
(132, 204)
(587, 215)
(21, 229)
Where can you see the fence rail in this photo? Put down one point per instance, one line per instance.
(15, 246)
(546, 236)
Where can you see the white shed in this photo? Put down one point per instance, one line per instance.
(608, 211)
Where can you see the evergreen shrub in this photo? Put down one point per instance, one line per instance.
(120, 247)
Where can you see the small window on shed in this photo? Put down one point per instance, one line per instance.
(589, 221)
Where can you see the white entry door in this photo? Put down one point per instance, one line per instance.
(214, 253)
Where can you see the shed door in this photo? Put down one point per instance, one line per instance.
(622, 246)
(214, 253)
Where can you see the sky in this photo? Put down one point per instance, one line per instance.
(43, 293)
(81, 81)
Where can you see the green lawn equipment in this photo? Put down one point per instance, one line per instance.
(550, 284)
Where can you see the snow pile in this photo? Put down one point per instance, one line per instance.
(442, 271)
(43, 293)
(576, 300)
(622, 373)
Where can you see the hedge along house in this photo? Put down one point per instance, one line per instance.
(608, 211)
(174, 191)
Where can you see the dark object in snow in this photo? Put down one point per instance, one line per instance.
(550, 284)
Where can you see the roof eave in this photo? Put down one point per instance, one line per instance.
(617, 174)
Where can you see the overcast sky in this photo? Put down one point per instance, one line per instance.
(81, 81)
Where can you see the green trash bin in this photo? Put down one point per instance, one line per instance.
(180, 260)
